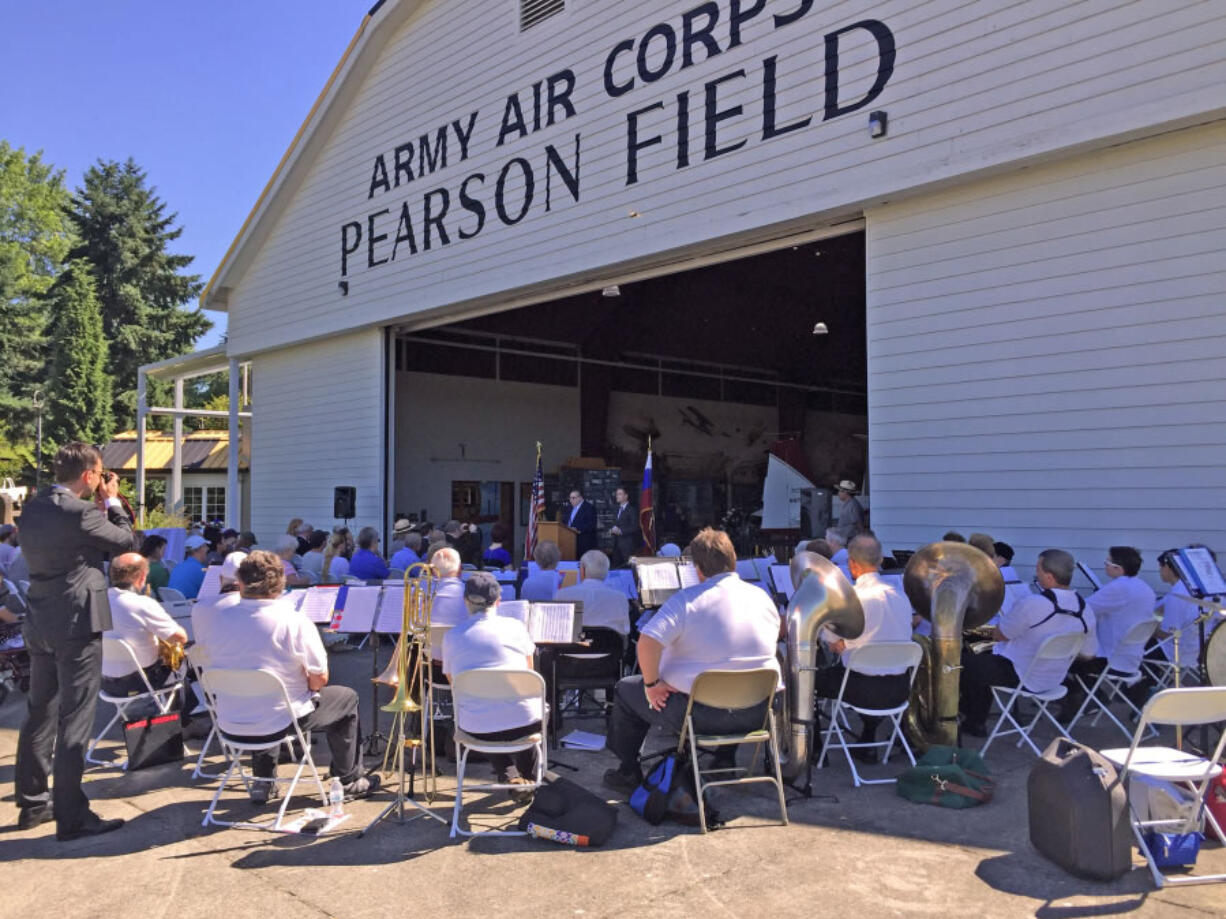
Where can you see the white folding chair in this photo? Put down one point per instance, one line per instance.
(730, 690)
(877, 657)
(1161, 668)
(1118, 675)
(1185, 707)
(118, 650)
(225, 690)
(197, 660)
(507, 686)
(174, 602)
(1063, 647)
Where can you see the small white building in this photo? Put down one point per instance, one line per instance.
(1009, 215)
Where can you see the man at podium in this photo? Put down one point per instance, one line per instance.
(582, 518)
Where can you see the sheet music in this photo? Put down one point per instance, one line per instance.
(687, 574)
(391, 610)
(295, 598)
(361, 604)
(515, 609)
(1205, 570)
(764, 565)
(781, 577)
(1089, 574)
(658, 577)
(210, 587)
(552, 622)
(318, 602)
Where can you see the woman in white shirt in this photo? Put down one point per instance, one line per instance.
(335, 565)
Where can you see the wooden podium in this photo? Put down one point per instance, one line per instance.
(560, 533)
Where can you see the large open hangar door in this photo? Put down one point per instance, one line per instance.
(714, 364)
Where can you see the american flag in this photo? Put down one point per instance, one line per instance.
(536, 508)
(647, 515)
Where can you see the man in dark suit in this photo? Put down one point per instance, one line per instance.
(582, 517)
(65, 539)
(627, 537)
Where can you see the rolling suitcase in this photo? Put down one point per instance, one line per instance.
(1079, 812)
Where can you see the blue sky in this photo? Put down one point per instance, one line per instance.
(205, 96)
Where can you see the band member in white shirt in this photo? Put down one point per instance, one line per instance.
(139, 621)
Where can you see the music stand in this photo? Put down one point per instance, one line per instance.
(1203, 579)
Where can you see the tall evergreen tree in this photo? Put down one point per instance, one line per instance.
(34, 239)
(124, 233)
(79, 396)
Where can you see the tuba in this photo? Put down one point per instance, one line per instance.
(955, 587)
(823, 597)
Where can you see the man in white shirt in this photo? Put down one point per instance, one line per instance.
(603, 607)
(1018, 636)
(721, 623)
(838, 549)
(887, 617)
(140, 621)
(1179, 615)
(448, 609)
(262, 631)
(483, 641)
(1119, 605)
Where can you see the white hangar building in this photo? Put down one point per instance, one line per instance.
(580, 222)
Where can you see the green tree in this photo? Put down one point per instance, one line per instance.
(79, 393)
(124, 232)
(34, 240)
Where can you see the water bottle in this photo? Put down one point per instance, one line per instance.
(336, 798)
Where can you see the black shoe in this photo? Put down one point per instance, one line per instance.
(263, 791)
(363, 786)
(622, 781)
(93, 826)
(30, 817)
(974, 729)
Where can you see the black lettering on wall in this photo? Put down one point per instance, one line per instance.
(617, 89)
(692, 35)
(371, 239)
(512, 121)
(500, 189)
(561, 85)
(570, 178)
(378, 177)
(463, 135)
(404, 232)
(431, 219)
(714, 115)
(683, 129)
(738, 15)
(472, 205)
(431, 159)
(885, 66)
(783, 19)
(665, 31)
(634, 144)
(351, 238)
(770, 127)
(403, 162)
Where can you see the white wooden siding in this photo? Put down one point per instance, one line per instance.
(318, 423)
(977, 86)
(1046, 354)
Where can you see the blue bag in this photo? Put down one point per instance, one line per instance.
(650, 800)
(1173, 850)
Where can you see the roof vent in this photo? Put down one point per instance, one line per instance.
(533, 11)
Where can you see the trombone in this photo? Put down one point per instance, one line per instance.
(408, 672)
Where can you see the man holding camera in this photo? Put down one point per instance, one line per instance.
(66, 538)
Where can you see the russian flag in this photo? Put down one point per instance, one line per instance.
(647, 517)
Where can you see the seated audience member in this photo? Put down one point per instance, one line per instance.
(18, 569)
(262, 631)
(400, 529)
(1058, 609)
(408, 556)
(8, 546)
(448, 608)
(221, 546)
(544, 584)
(153, 548)
(336, 557)
(603, 607)
(313, 559)
(496, 555)
(188, 575)
(887, 617)
(285, 549)
(246, 541)
(303, 533)
(468, 543)
(820, 547)
(435, 540)
(485, 640)
(366, 563)
(984, 543)
(953, 536)
(294, 526)
(140, 621)
(838, 548)
(669, 550)
(719, 623)
(227, 594)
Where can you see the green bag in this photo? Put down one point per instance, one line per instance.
(948, 777)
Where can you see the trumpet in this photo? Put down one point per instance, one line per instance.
(408, 672)
(170, 653)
